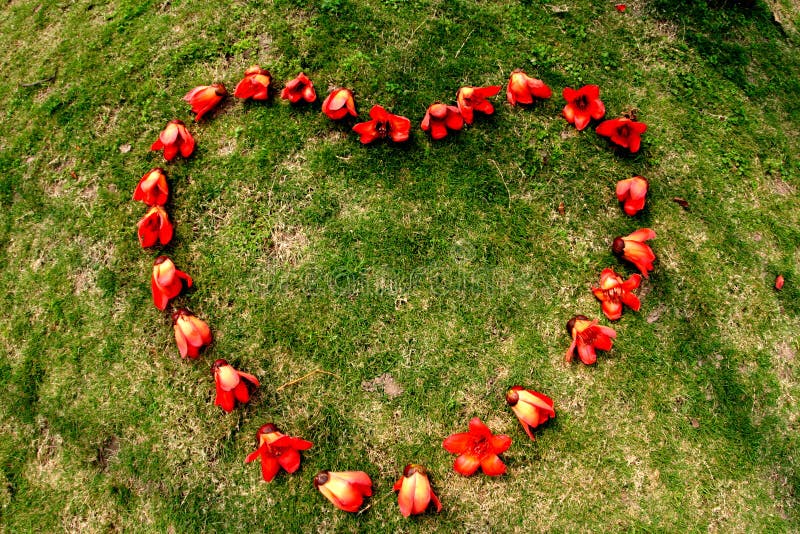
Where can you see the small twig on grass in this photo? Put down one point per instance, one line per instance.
(373, 501)
(465, 42)
(40, 82)
(312, 373)
(503, 179)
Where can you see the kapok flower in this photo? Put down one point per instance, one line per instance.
(173, 139)
(439, 118)
(383, 124)
(623, 132)
(632, 191)
(523, 89)
(634, 249)
(478, 448)
(255, 84)
(531, 407)
(152, 188)
(299, 89)
(415, 491)
(205, 98)
(620, 7)
(583, 105)
(232, 385)
(588, 336)
(192, 334)
(779, 281)
(339, 104)
(345, 489)
(471, 99)
(613, 293)
(277, 450)
(154, 226)
(167, 282)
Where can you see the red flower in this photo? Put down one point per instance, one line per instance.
(634, 249)
(523, 89)
(583, 105)
(299, 89)
(339, 104)
(632, 191)
(167, 282)
(255, 84)
(478, 448)
(471, 99)
(620, 7)
(191, 333)
(230, 386)
(613, 293)
(779, 282)
(623, 132)
(175, 138)
(439, 118)
(152, 188)
(154, 226)
(205, 98)
(383, 124)
(588, 336)
(531, 408)
(345, 489)
(415, 491)
(277, 450)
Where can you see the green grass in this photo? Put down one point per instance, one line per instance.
(445, 264)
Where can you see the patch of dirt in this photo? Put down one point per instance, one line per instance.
(287, 244)
(107, 450)
(385, 383)
(782, 188)
(655, 315)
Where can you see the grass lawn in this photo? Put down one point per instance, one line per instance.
(414, 284)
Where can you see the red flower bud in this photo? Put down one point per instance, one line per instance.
(345, 489)
(173, 139)
(152, 188)
(191, 333)
(167, 282)
(255, 84)
(205, 98)
(523, 89)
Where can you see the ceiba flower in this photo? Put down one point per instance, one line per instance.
(632, 192)
(173, 139)
(439, 118)
(299, 89)
(623, 132)
(634, 249)
(167, 282)
(152, 188)
(415, 491)
(339, 104)
(154, 226)
(531, 408)
(523, 89)
(192, 334)
(583, 105)
(478, 448)
(205, 98)
(471, 99)
(779, 281)
(383, 124)
(277, 450)
(232, 385)
(588, 336)
(345, 489)
(613, 293)
(255, 84)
